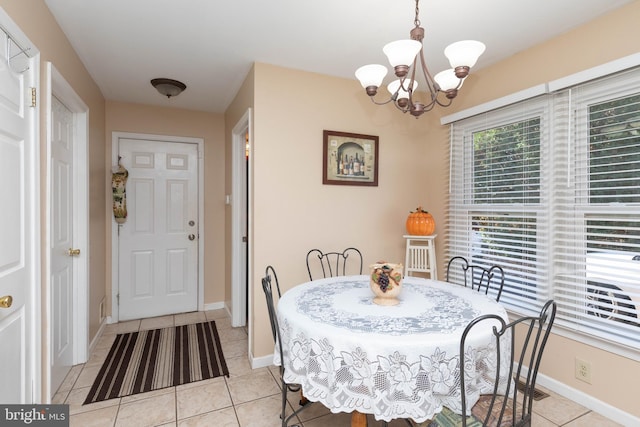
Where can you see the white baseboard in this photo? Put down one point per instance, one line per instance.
(260, 362)
(588, 401)
(214, 306)
(227, 307)
(96, 338)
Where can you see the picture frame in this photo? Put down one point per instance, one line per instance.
(349, 159)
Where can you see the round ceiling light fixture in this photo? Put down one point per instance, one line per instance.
(168, 87)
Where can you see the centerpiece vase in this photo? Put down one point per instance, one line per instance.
(386, 282)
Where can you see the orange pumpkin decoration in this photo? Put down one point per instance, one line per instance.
(420, 223)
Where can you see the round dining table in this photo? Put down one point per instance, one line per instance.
(399, 361)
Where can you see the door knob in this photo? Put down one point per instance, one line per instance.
(73, 252)
(6, 301)
(192, 236)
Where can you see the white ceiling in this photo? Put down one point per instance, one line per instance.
(210, 44)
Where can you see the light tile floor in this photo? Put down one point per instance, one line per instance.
(248, 398)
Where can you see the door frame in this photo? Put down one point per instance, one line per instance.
(240, 187)
(115, 283)
(61, 89)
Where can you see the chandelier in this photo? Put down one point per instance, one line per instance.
(441, 88)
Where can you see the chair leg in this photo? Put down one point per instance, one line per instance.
(283, 413)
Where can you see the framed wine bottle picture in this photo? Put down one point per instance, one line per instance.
(349, 159)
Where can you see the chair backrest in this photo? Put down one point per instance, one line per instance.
(268, 280)
(478, 277)
(513, 406)
(334, 263)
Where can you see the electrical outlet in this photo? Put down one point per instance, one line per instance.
(583, 371)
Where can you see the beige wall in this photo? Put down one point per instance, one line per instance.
(294, 212)
(608, 38)
(135, 118)
(35, 20)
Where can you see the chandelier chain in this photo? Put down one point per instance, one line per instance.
(416, 21)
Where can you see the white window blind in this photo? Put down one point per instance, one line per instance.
(549, 189)
(597, 208)
(497, 209)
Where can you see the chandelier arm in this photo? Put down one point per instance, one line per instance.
(417, 108)
(402, 85)
(430, 105)
(410, 88)
(444, 104)
(392, 99)
(431, 84)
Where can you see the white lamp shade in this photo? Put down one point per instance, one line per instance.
(394, 85)
(464, 53)
(371, 75)
(402, 52)
(447, 79)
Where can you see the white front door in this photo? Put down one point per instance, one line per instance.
(158, 243)
(62, 242)
(18, 231)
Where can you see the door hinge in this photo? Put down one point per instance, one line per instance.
(33, 96)
(118, 299)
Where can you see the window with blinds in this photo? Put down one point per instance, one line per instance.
(497, 213)
(549, 189)
(597, 208)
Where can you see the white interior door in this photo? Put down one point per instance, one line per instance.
(67, 219)
(158, 243)
(62, 242)
(18, 228)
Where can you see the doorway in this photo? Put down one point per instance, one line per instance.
(157, 250)
(68, 225)
(242, 149)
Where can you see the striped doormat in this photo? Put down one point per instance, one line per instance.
(151, 360)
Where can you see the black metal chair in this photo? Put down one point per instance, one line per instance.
(513, 406)
(334, 263)
(269, 278)
(481, 278)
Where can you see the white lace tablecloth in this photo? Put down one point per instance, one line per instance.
(391, 361)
